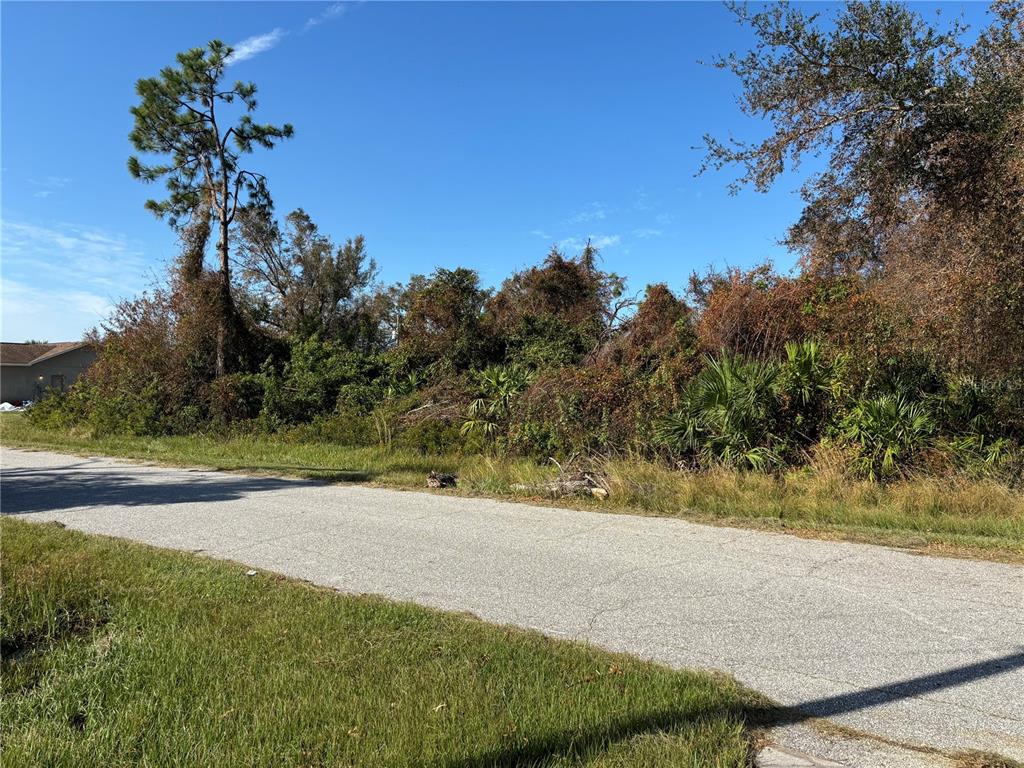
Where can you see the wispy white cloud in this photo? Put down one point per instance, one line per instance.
(48, 185)
(600, 242)
(333, 10)
(645, 232)
(592, 212)
(60, 280)
(51, 182)
(604, 241)
(612, 217)
(28, 312)
(255, 45)
(70, 256)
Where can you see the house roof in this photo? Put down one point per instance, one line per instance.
(29, 354)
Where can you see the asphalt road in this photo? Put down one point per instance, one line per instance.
(920, 650)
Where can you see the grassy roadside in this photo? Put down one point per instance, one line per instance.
(119, 654)
(960, 518)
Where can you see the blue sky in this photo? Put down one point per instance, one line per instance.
(449, 134)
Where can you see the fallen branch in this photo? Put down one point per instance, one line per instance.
(572, 484)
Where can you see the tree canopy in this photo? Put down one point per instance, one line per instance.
(924, 141)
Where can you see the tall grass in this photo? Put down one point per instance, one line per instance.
(982, 512)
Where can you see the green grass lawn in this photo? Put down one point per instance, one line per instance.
(119, 654)
(941, 516)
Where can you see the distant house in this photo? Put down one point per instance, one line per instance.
(29, 370)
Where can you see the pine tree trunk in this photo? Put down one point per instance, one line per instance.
(224, 303)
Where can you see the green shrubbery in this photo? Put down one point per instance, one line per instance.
(734, 411)
(498, 387)
(319, 377)
(888, 431)
(526, 385)
(730, 416)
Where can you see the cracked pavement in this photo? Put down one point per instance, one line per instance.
(924, 651)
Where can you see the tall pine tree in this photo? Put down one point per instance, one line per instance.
(183, 117)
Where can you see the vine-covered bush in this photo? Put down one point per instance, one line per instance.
(572, 411)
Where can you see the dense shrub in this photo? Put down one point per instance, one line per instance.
(889, 431)
(345, 427)
(546, 341)
(61, 410)
(730, 416)
(319, 377)
(236, 397)
(981, 456)
(574, 411)
(497, 389)
(547, 367)
(441, 321)
(753, 313)
(554, 314)
(811, 386)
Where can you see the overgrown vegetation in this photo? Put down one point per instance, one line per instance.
(266, 671)
(896, 350)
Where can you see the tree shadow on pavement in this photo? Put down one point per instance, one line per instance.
(28, 490)
(830, 706)
(576, 744)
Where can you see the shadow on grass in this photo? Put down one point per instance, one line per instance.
(583, 744)
(574, 743)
